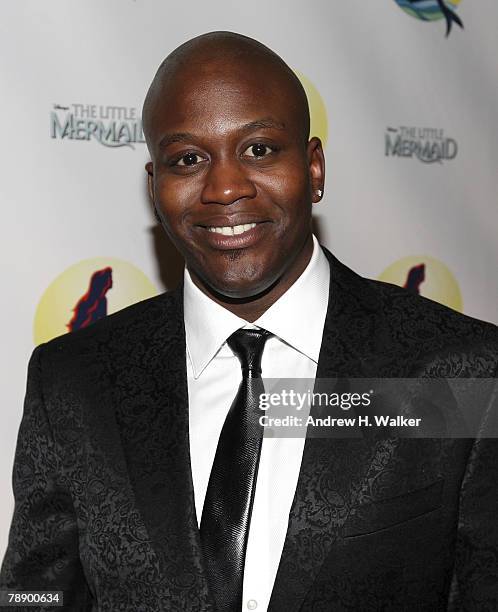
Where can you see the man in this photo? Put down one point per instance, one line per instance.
(137, 484)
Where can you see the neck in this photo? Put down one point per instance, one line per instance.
(251, 308)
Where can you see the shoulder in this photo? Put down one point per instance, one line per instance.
(159, 316)
(400, 304)
(410, 310)
(418, 330)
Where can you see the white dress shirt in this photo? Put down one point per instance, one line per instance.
(213, 372)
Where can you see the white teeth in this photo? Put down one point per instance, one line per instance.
(232, 230)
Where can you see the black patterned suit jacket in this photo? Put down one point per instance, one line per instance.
(104, 506)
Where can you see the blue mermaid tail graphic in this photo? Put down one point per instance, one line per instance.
(450, 16)
(429, 10)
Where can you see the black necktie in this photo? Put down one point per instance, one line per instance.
(226, 514)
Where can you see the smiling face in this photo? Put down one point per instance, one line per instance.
(232, 176)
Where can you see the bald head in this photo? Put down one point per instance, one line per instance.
(222, 56)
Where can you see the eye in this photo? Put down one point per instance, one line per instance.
(258, 150)
(189, 159)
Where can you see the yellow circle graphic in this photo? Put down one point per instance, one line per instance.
(318, 110)
(69, 302)
(427, 276)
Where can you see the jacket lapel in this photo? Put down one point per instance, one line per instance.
(153, 421)
(331, 469)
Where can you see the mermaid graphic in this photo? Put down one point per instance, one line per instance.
(92, 306)
(414, 278)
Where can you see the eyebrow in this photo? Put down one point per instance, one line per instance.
(265, 123)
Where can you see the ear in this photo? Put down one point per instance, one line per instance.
(149, 168)
(316, 163)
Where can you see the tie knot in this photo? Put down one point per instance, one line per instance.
(248, 345)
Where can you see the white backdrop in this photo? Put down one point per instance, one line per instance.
(66, 201)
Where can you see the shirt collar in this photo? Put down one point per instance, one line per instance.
(298, 316)
(208, 325)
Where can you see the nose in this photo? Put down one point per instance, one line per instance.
(226, 182)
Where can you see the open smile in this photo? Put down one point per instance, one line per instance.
(231, 230)
(236, 236)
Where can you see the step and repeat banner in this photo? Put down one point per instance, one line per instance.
(403, 93)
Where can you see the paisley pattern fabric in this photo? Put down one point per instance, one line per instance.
(104, 506)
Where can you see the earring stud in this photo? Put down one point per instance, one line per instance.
(319, 193)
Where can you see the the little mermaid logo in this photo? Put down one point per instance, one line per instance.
(427, 144)
(91, 289)
(111, 126)
(433, 10)
(92, 306)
